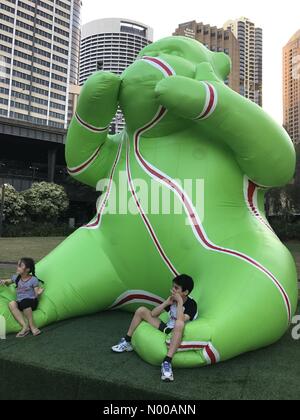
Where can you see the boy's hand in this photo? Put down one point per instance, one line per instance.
(170, 301)
(177, 298)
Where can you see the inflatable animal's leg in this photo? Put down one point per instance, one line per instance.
(152, 346)
(241, 310)
(79, 279)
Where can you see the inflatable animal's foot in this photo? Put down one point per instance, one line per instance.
(196, 348)
(7, 295)
(72, 286)
(43, 316)
(220, 333)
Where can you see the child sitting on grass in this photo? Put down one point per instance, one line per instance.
(28, 291)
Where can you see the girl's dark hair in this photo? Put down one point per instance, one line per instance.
(185, 282)
(30, 264)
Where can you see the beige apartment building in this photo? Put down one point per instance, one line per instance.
(291, 87)
(218, 40)
(39, 59)
(250, 40)
(243, 42)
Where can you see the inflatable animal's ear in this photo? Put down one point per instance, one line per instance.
(222, 65)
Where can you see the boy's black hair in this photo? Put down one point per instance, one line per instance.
(30, 264)
(185, 282)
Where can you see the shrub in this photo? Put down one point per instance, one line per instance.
(45, 201)
(33, 229)
(14, 205)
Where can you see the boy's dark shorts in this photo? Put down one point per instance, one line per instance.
(27, 303)
(164, 328)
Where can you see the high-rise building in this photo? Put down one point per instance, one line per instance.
(39, 59)
(218, 40)
(111, 45)
(291, 87)
(251, 57)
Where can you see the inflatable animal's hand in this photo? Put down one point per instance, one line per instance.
(98, 99)
(183, 125)
(208, 101)
(88, 132)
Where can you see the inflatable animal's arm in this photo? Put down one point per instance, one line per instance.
(90, 151)
(262, 148)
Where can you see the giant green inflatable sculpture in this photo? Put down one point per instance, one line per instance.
(182, 123)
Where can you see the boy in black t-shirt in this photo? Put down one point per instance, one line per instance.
(181, 309)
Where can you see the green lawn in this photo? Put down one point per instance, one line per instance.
(11, 249)
(6, 272)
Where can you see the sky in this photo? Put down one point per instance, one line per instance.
(279, 20)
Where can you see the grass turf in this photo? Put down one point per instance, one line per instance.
(6, 271)
(11, 249)
(73, 360)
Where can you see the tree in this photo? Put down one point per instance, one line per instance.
(285, 201)
(14, 205)
(45, 201)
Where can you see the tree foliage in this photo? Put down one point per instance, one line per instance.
(45, 201)
(14, 205)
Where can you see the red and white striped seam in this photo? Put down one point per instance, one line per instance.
(89, 126)
(210, 353)
(211, 101)
(161, 65)
(78, 170)
(136, 296)
(250, 193)
(100, 211)
(145, 219)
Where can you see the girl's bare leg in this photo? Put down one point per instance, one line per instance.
(18, 315)
(28, 316)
